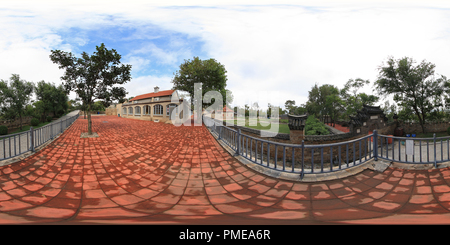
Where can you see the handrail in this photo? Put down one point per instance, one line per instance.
(295, 158)
(13, 145)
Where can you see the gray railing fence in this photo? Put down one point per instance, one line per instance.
(13, 145)
(307, 159)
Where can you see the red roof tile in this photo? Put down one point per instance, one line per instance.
(151, 95)
(226, 109)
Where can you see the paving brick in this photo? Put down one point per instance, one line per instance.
(142, 169)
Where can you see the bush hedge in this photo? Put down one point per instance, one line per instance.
(315, 127)
(34, 122)
(49, 118)
(3, 130)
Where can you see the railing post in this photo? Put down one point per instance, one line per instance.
(375, 145)
(302, 174)
(51, 130)
(238, 142)
(434, 142)
(61, 126)
(220, 132)
(32, 138)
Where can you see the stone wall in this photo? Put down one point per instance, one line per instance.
(414, 128)
(111, 111)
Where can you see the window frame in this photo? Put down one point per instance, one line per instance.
(158, 108)
(136, 109)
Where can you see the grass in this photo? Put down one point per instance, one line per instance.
(282, 128)
(27, 127)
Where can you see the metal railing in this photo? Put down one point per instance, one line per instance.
(13, 145)
(294, 158)
(414, 150)
(306, 159)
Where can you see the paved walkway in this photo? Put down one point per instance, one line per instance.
(139, 172)
(339, 127)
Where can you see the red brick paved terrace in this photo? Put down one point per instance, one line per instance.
(140, 172)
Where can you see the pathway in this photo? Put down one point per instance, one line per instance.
(140, 172)
(339, 127)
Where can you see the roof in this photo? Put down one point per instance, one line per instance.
(151, 95)
(226, 109)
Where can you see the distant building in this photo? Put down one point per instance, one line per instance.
(156, 106)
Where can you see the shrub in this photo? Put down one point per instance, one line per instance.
(448, 130)
(34, 122)
(49, 118)
(314, 127)
(3, 130)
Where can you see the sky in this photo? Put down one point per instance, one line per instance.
(273, 51)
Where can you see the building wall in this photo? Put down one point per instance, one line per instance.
(148, 117)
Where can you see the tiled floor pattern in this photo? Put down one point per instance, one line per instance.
(140, 172)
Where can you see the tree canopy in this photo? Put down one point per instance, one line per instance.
(15, 96)
(354, 100)
(210, 74)
(412, 85)
(324, 100)
(54, 99)
(93, 77)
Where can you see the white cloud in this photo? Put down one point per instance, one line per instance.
(264, 47)
(145, 84)
(137, 63)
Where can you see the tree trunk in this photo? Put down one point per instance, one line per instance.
(89, 120)
(422, 124)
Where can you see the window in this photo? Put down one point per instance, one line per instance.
(146, 110)
(169, 109)
(137, 110)
(124, 110)
(130, 110)
(157, 110)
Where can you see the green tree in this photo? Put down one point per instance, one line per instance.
(333, 105)
(98, 106)
(92, 76)
(323, 100)
(54, 98)
(413, 86)
(44, 94)
(15, 97)
(209, 73)
(353, 100)
(290, 106)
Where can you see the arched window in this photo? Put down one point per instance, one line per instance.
(137, 110)
(124, 110)
(158, 110)
(130, 110)
(146, 110)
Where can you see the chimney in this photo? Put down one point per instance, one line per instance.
(156, 89)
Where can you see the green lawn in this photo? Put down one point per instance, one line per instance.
(282, 128)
